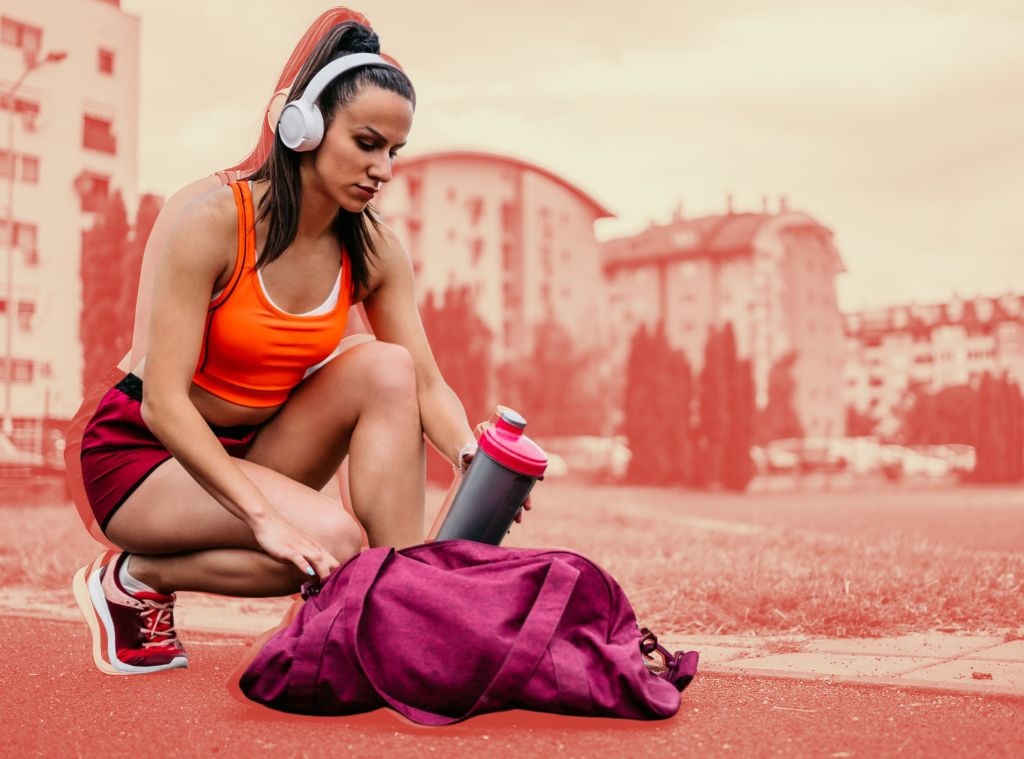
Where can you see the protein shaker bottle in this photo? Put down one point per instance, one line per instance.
(496, 483)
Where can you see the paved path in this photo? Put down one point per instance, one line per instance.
(981, 664)
(964, 663)
(55, 703)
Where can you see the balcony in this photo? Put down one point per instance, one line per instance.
(97, 134)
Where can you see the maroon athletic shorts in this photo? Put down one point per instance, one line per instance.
(119, 451)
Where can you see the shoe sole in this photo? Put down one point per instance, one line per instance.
(81, 593)
(98, 602)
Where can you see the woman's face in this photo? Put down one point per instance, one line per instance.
(359, 146)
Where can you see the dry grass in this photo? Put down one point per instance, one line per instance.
(686, 573)
(694, 575)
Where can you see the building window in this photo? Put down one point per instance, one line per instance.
(92, 190)
(415, 185)
(106, 61)
(475, 206)
(9, 167)
(21, 370)
(507, 259)
(26, 313)
(508, 217)
(97, 134)
(29, 169)
(24, 237)
(28, 110)
(17, 34)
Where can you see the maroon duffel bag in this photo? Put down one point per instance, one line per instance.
(443, 631)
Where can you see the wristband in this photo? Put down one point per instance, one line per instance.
(460, 465)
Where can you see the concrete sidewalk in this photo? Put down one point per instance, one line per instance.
(983, 664)
(980, 664)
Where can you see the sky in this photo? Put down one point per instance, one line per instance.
(898, 125)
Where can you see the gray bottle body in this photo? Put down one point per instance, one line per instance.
(486, 503)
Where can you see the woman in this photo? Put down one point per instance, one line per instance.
(241, 170)
(209, 479)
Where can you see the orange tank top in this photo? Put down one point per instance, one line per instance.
(253, 353)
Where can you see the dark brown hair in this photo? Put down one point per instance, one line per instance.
(282, 202)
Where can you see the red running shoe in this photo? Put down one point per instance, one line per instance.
(132, 633)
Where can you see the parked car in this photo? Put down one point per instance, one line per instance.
(805, 455)
(18, 464)
(602, 459)
(769, 460)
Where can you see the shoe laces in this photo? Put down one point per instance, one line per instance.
(158, 622)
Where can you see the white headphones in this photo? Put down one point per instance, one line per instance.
(301, 124)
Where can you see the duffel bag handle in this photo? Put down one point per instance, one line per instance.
(522, 658)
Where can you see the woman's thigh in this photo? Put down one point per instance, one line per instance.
(170, 512)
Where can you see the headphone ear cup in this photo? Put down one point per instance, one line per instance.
(301, 126)
(314, 130)
(291, 126)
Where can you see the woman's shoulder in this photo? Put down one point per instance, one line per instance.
(209, 208)
(205, 227)
(392, 262)
(388, 246)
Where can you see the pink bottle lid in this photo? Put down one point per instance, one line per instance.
(507, 445)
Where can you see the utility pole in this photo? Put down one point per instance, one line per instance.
(9, 104)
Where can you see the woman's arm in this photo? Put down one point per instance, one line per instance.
(202, 236)
(393, 315)
(151, 259)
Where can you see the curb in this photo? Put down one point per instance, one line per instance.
(978, 665)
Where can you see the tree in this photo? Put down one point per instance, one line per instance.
(948, 415)
(986, 416)
(778, 419)
(657, 410)
(555, 387)
(461, 342)
(714, 412)
(998, 450)
(110, 265)
(858, 423)
(727, 412)
(678, 415)
(738, 465)
(1015, 447)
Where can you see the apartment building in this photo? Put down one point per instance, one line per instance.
(520, 237)
(936, 345)
(68, 136)
(772, 275)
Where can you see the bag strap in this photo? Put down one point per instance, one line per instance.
(678, 668)
(522, 658)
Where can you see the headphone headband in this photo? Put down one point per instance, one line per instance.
(336, 68)
(301, 124)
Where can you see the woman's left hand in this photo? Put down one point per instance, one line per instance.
(527, 505)
(471, 452)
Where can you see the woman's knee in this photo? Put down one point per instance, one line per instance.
(388, 370)
(338, 532)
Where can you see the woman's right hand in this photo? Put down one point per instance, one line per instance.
(287, 543)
